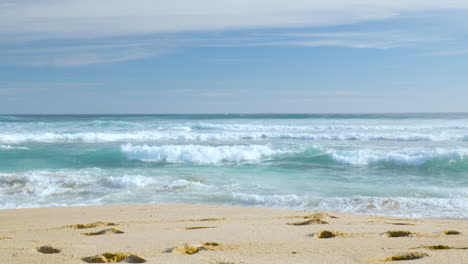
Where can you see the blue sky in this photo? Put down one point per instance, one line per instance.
(221, 56)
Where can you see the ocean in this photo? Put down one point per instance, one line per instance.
(411, 165)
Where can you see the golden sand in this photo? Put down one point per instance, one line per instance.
(223, 235)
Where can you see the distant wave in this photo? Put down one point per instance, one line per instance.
(312, 128)
(196, 153)
(182, 134)
(8, 118)
(9, 147)
(409, 157)
(91, 126)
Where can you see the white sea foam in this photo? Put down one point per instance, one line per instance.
(138, 136)
(289, 200)
(408, 157)
(196, 153)
(44, 182)
(53, 183)
(8, 147)
(128, 181)
(398, 206)
(368, 136)
(90, 137)
(39, 204)
(96, 186)
(185, 184)
(330, 127)
(146, 136)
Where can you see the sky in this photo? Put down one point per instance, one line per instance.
(243, 56)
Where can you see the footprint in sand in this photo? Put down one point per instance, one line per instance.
(114, 257)
(48, 250)
(327, 234)
(198, 227)
(91, 225)
(452, 232)
(191, 249)
(104, 232)
(315, 221)
(224, 262)
(437, 247)
(207, 219)
(401, 224)
(318, 216)
(441, 247)
(398, 233)
(406, 256)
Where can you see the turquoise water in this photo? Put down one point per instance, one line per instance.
(412, 165)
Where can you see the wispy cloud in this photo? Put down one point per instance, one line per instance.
(446, 53)
(78, 84)
(82, 32)
(27, 87)
(86, 58)
(12, 91)
(177, 91)
(217, 94)
(340, 93)
(369, 40)
(225, 60)
(111, 50)
(59, 55)
(72, 19)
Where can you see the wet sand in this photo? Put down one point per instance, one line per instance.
(217, 234)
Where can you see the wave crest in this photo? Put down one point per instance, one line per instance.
(198, 154)
(409, 158)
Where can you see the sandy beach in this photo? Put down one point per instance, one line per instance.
(217, 234)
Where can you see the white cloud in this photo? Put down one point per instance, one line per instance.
(59, 19)
(85, 58)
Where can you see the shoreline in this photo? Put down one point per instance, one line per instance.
(176, 233)
(240, 206)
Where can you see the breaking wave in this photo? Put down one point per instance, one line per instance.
(198, 154)
(409, 157)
